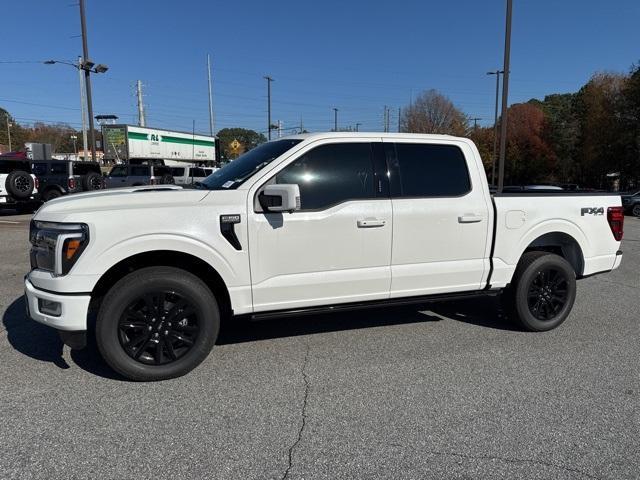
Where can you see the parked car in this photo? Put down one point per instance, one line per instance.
(309, 223)
(134, 175)
(631, 203)
(62, 177)
(18, 185)
(190, 174)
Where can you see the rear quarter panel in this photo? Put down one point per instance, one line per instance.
(521, 219)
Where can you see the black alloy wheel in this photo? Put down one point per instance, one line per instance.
(157, 323)
(22, 184)
(542, 291)
(158, 328)
(548, 293)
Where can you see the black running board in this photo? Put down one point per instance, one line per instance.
(391, 302)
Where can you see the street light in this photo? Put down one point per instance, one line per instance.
(88, 67)
(495, 127)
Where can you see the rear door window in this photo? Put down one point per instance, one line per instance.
(428, 170)
(118, 171)
(84, 168)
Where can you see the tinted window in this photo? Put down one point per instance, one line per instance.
(59, 168)
(118, 171)
(197, 172)
(331, 174)
(431, 170)
(85, 168)
(177, 172)
(40, 169)
(139, 171)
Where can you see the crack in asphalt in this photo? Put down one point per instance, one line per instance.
(305, 378)
(503, 459)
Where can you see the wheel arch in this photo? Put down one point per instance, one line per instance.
(166, 258)
(562, 244)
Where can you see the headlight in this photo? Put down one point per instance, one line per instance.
(56, 247)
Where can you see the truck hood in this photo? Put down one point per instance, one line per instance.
(121, 199)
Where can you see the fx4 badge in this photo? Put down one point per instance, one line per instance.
(591, 211)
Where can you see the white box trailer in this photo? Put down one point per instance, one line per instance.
(122, 143)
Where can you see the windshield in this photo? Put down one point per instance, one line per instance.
(235, 173)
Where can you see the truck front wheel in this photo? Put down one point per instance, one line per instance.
(157, 323)
(541, 294)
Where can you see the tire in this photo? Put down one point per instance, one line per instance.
(167, 179)
(135, 331)
(19, 184)
(635, 211)
(92, 181)
(51, 194)
(542, 292)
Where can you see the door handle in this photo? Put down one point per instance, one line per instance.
(371, 223)
(469, 219)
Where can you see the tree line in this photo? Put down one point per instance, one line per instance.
(590, 137)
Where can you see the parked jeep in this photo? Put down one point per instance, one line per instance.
(62, 177)
(18, 185)
(133, 175)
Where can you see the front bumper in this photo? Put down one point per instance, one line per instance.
(73, 312)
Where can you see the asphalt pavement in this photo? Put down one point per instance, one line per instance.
(449, 390)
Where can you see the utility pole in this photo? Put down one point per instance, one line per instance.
(87, 78)
(335, 119)
(358, 127)
(505, 95)
(301, 125)
(269, 80)
(83, 111)
(495, 127)
(211, 121)
(399, 117)
(9, 132)
(475, 122)
(385, 120)
(141, 119)
(75, 146)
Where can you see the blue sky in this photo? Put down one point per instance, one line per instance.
(356, 56)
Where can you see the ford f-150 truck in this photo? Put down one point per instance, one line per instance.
(317, 222)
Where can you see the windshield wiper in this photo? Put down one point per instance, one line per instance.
(255, 169)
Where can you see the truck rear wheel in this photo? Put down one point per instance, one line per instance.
(157, 323)
(542, 292)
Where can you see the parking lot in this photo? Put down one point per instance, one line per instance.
(440, 391)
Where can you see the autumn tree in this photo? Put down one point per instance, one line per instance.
(529, 158)
(600, 149)
(432, 112)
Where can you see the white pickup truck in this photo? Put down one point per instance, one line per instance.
(317, 222)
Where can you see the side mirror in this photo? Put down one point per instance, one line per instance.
(280, 198)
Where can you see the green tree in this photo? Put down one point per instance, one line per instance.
(248, 139)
